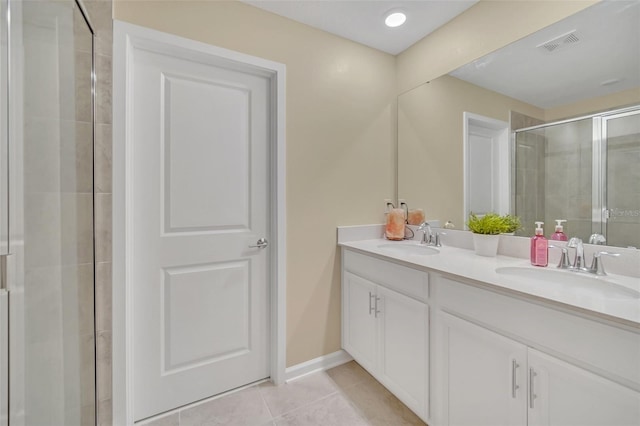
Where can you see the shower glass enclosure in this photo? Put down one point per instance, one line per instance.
(46, 192)
(584, 170)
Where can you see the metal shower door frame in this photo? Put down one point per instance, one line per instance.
(603, 213)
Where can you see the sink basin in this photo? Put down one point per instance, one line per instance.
(407, 249)
(576, 282)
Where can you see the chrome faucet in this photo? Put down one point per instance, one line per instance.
(429, 237)
(597, 239)
(597, 267)
(578, 261)
(427, 233)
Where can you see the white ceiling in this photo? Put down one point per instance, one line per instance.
(608, 50)
(363, 20)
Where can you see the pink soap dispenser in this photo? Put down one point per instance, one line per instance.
(539, 247)
(559, 235)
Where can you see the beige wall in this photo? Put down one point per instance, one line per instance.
(430, 141)
(340, 143)
(340, 124)
(481, 29)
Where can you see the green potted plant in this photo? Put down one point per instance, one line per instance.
(487, 229)
(513, 224)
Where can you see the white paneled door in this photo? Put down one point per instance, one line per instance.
(199, 200)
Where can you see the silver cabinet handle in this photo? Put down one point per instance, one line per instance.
(377, 311)
(371, 308)
(261, 243)
(514, 384)
(532, 395)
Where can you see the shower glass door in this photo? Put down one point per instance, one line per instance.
(584, 170)
(51, 265)
(622, 181)
(553, 177)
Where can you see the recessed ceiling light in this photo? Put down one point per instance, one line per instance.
(395, 19)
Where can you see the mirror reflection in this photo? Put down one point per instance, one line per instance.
(583, 171)
(451, 156)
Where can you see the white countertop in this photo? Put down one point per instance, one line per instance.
(466, 264)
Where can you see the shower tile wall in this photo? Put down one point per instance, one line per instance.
(530, 180)
(57, 213)
(529, 171)
(568, 186)
(100, 14)
(553, 170)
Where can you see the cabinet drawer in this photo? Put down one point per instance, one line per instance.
(602, 348)
(410, 282)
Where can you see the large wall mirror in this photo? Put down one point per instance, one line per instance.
(547, 128)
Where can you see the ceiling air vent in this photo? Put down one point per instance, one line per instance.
(560, 42)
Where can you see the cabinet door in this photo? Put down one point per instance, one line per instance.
(564, 394)
(403, 335)
(358, 319)
(483, 377)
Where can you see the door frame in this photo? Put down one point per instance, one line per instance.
(126, 38)
(500, 130)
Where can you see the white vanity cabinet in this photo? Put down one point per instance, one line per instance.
(563, 394)
(385, 325)
(492, 369)
(359, 322)
(493, 380)
(484, 376)
(403, 330)
(461, 351)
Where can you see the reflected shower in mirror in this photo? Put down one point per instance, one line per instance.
(526, 83)
(584, 171)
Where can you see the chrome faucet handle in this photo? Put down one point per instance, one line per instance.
(597, 266)
(427, 234)
(578, 261)
(598, 239)
(564, 257)
(429, 237)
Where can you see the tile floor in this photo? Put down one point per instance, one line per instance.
(344, 396)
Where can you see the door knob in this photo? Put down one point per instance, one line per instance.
(261, 243)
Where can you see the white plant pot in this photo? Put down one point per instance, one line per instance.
(486, 245)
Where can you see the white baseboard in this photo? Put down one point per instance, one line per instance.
(321, 363)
